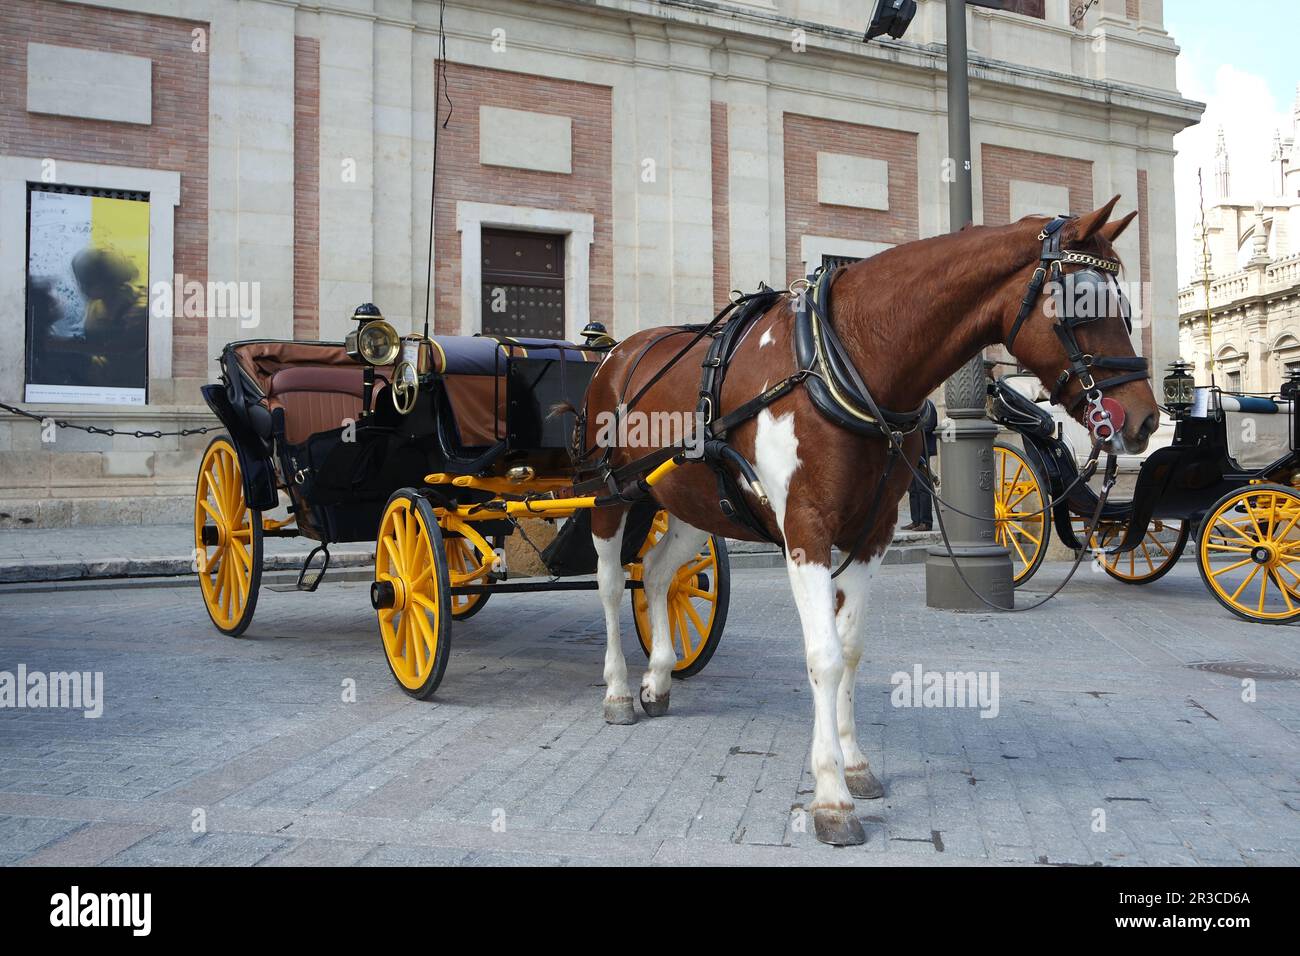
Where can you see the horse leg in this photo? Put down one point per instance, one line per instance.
(852, 596)
(814, 595)
(680, 543)
(610, 584)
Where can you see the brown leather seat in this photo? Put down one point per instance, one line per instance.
(315, 398)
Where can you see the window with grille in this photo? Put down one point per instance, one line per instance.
(523, 284)
(834, 262)
(1028, 8)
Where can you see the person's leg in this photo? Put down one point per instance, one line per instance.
(925, 514)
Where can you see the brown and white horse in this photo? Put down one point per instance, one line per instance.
(909, 318)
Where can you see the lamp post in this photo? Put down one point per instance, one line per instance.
(966, 453)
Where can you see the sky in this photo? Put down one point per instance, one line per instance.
(1242, 59)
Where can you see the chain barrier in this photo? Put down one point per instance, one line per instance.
(96, 430)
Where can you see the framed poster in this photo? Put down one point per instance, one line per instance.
(87, 296)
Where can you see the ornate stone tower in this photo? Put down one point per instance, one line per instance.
(1221, 177)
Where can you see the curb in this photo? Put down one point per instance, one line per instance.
(906, 549)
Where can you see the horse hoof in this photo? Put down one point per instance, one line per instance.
(838, 828)
(654, 708)
(618, 710)
(863, 784)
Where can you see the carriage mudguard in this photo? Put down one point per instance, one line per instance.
(254, 464)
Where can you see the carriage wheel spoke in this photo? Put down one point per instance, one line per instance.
(1147, 554)
(394, 556)
(1230, 567)
(1242, 586)
(1286, 595)
(1019, 550)
(702, 594)
(420, 634)
(700, 629)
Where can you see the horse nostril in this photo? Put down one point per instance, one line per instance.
(1149, 425)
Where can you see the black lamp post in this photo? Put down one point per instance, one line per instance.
(966, 461)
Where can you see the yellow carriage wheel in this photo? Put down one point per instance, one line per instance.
(1020, 523)
(227, 540)
(1152, 559)
(411, 593)
(698, 599)
(1249, 553)
(462, 558)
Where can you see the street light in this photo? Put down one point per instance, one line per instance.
(966, 460)
(892, 17)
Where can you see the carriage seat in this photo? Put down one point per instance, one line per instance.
(473, 371)
(315, 398)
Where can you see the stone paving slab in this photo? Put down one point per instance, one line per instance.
(1108, 748)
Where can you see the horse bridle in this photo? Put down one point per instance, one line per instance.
(1101, 274)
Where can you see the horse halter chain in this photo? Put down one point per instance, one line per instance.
(1104, 416)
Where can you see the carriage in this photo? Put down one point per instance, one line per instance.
(1243, 522)
(438, 449)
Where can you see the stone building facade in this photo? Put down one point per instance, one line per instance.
(1242, 306)
(621, 160)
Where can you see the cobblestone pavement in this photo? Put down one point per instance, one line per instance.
(1099, 713)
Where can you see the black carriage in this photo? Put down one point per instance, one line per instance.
(1243, 521)
(438, 449)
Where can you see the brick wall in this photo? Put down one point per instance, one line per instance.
(176, 140)
(589, 188)
(306, 187)
(1000, 164)
(721, 210)
(805, 137)
(1144, 263)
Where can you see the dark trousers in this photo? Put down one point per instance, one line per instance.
(918, 499)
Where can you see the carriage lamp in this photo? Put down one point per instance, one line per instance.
(373, 342)
(891, 17)
(1180, 387)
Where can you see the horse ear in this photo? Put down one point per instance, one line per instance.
(1111, 231)
(1086, 226)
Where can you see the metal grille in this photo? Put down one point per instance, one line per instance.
(523, 284)
(834, 262)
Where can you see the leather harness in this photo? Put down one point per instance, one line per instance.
(836, 387)
(1099, 274)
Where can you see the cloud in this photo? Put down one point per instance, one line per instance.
(1240, 102)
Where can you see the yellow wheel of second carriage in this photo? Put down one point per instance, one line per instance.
(1021, 524)
(227, 540)
(1152, 559)
(698, 599)
(412, 593)
(1249, 553)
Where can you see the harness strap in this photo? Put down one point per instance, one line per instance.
(870, 523)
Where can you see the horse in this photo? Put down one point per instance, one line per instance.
(908, 318)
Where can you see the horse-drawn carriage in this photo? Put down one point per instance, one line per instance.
(1245, 522)
(436, 448)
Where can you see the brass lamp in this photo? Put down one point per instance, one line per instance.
(373, 342)
(1180, 387)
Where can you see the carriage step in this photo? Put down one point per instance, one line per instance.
(311, 575)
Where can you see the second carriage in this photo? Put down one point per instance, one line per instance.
(438, 449)
(1244, 522)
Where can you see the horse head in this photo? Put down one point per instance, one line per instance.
(1066, 319)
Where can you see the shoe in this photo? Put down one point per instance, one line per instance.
(909, 527)
(923, 527)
